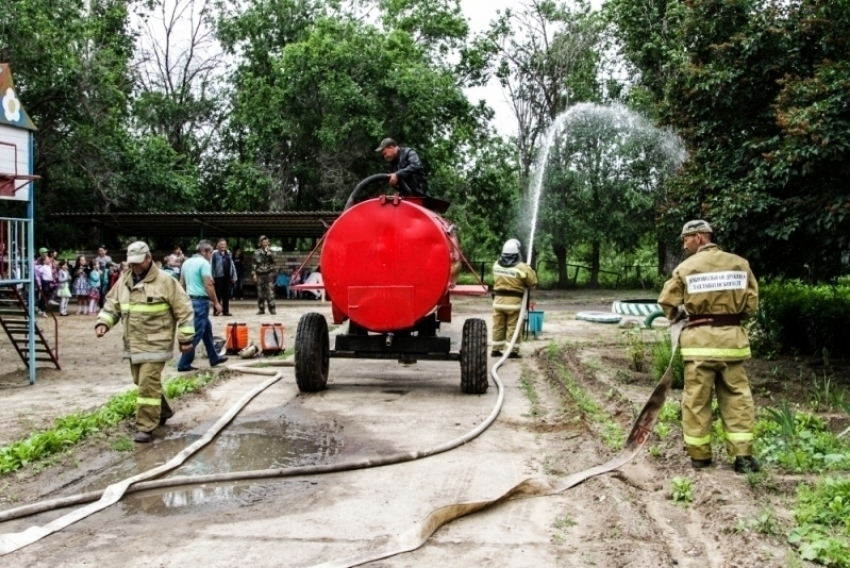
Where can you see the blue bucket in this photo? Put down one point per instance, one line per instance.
(535, 323)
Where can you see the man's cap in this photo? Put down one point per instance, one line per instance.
(42, 250)
(511, 247)
(696, 226)
(137, 252)
(384, 143)
(262, 238)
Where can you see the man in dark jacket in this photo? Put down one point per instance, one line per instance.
(407, 172)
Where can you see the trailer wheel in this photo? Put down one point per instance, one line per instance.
(473, 357)
(312, 353)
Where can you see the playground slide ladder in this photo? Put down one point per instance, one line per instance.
(14, 318)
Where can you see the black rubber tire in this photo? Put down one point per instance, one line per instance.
(312, 353)
(473, 357)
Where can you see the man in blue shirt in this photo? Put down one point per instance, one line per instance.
(196, 277)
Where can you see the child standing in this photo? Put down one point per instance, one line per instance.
(80, 286)
(95, 282)
(64, 291)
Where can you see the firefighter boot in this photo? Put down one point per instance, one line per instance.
(746, 464)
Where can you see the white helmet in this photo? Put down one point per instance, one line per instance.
(511, 247)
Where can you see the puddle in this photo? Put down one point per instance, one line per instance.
(249, 443)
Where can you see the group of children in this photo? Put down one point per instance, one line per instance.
(88, 283)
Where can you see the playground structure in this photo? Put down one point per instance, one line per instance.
(17, 239)
(390, 266)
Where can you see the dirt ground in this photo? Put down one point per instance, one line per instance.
(624, 519)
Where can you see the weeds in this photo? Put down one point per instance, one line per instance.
(71, 429)
(564, 522)
(681, 490)
(799, 442)
(612, 435)
(123, 444)
(526, 383)
(635, 348)
(823, 531)
(662, 351)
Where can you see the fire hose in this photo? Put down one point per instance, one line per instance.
(408, 541)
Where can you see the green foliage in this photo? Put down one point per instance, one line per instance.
(526, 383)
(798, 442)
(798, 318)
(681, 490)
(661, 355)
(635, 347)
(70, 429)
(757, 95)
(822, 513)
(612, 435)
(604, 176)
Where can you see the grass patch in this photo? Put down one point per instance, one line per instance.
(526, 383)
(612, 435)
(799, 442)
(123, 444)
(73, 428)
(822, 513)
(661, 352)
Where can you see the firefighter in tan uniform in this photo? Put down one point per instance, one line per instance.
(152, 304)
(718, 291)
(511, 277)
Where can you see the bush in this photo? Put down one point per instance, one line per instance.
(797, 318)
(661, 352)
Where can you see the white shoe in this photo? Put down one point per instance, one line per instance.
(42, 314)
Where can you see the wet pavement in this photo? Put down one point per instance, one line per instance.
(271, 440)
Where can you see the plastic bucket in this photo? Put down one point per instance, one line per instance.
(535, 323)
(271, 338)
(237, 337)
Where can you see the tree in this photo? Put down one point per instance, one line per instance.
(602, 179)
(71, 62)
(548, 61)
(761, 103)
(307, 115)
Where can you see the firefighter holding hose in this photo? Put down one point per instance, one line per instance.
(511, 277)
(718, 291)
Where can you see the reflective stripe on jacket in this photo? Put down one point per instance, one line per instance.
(712, 282)
(511, 279)
(151, 310)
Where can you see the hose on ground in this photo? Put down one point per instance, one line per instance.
(13, 541)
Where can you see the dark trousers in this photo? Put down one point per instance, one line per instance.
(222, 290)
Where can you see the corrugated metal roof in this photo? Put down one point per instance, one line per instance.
(207, 224)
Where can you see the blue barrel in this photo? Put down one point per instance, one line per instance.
(535, 323)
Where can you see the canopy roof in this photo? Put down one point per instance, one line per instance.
(285, 224)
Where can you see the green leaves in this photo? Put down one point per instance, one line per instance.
(71, 429)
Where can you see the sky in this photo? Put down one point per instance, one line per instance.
(480, 13)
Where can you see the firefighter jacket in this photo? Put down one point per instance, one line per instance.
(151, 310)
(263, 262)
(410, 171)
(712, 282)
(509, 283)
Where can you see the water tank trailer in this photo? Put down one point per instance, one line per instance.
(389, 268)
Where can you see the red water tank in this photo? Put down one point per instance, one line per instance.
(388, 262)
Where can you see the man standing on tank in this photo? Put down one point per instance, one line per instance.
(264, 276)
(406, 171)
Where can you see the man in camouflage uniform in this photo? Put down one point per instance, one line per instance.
(511, 277)
(264, 275)
(718, 290)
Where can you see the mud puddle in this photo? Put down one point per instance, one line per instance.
(250, 443)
